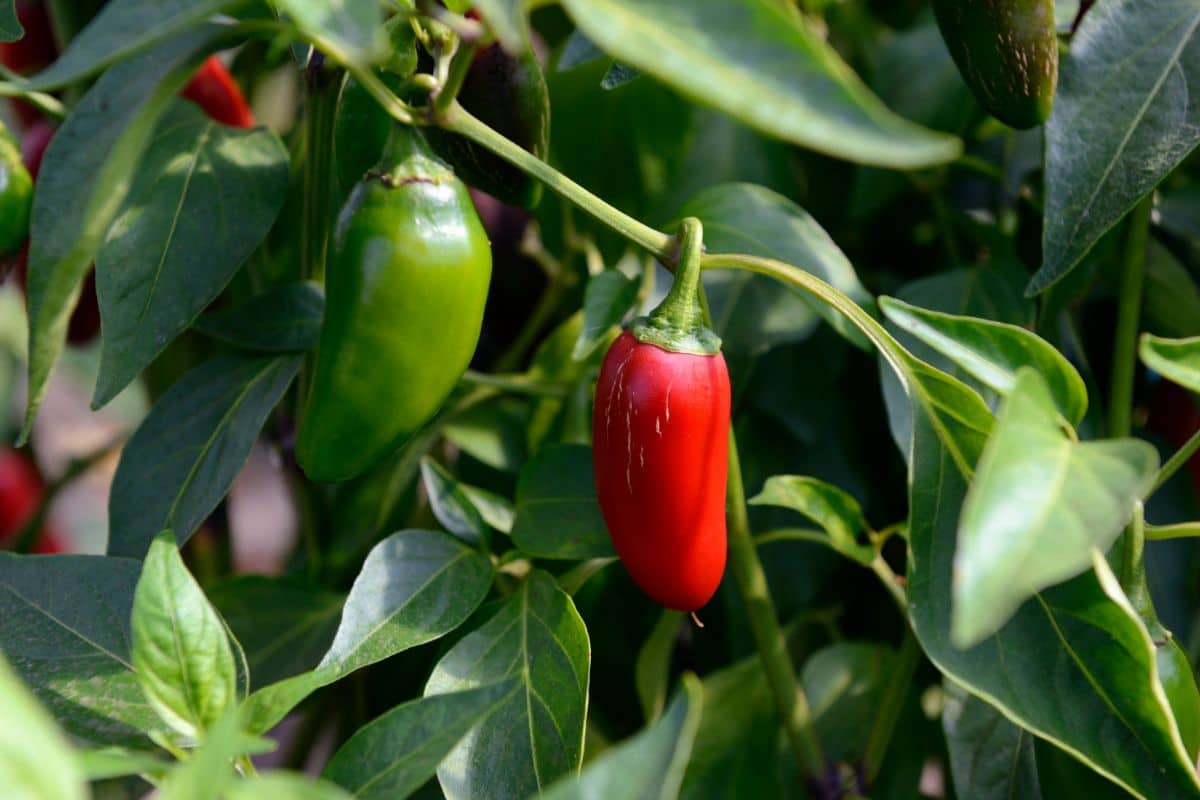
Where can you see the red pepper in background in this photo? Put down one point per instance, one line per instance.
(21, 491)
(214, 90)
(29, 54)
(660, 444)
(1174, 416)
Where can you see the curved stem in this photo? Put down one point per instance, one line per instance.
(1181, 457)
(457, 120)
(517, 384)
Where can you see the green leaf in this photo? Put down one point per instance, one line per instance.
(10, 26)
(181, 652)
(283, 320)
(606, 301)
(558, 515)
(351, 30)
(1171, 300)
(1074, 665)
(1123, 119)
(744, 218)
(117, 762)
(493, 433)
(990, 757)
(450, 504)
(67, 633)
(495, 509)
(123, 29)
(759, 62)
(650, 765)
(204, 196)
(652, 671)
(736, 752)
(285, 625)
(837, 512)
(845, 684)
(280, 785)
(1041, 502)
(209, 771)
(993, 352)
(83, 181)
(395, 754)
(36, 761)
(1177, 360)
(535, 736)
(183, 458)
(414, 587)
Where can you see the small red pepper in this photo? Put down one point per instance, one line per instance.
(214, 90)
(21, 491)
(660, 431)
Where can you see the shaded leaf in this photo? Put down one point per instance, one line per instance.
(606, 301)
(558, 515)
(535, 736)
(990, 757)
(283, 320)
(759, 62)
(1177, 360)
(837, 512)
(450, 504)
(184, 456)
(29, 742)
(395, 754)
(652, 670)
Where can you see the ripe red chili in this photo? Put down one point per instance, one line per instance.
(660, 430)
(20, 492)
(214, 90)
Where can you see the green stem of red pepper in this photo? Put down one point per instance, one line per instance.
(677, 324)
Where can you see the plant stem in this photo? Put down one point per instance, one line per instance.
(888, 577)
(893, 703)
(790, 700)
(460, 65)
(457, 120)
(1124, 358)
(1181, 457)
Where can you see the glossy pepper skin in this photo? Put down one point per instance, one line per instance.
(660, 444)
(507, 93)
(214, 90)
(1007, 52)
(405, 289)
(16, 195)
(21, 491)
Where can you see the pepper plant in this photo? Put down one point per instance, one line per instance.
(936, 371)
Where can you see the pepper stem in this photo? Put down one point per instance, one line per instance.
(677, 324)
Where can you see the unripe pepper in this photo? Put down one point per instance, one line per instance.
(16, 195)
(660, 431)
(508, 93)
(406, 284)
(1007, 52)
(214, 90)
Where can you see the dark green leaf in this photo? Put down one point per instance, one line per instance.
(450, 504)
(493, 433)
(204, 196)
(837, 512)
(66, 632)
(414, 587)
(283, 320)
(1171, 301)
(1123, 118)
(36, 761)
(990, 757)
(181, 652)
(992, 352)
(557, 512)
(649, 766)
(652, 671)
(122, 29)
(393, 755)
(845, 684)
(1040, 504)
(184, 456)
(284, 625)
(506, 19)
(607, 300)
(744, 218)
(350, 30)
(10, 26)
(84, 178)
(1177, 360)
(736, 752)
(536, 736)
(759, 62)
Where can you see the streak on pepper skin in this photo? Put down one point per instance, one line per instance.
(660, 450)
